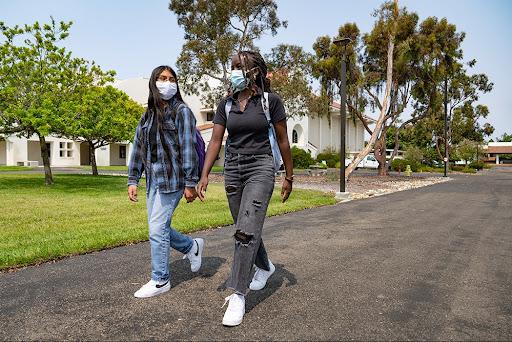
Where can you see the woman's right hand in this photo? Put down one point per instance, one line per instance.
(201, 188)
(132, 193)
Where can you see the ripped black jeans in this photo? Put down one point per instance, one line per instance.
(249, 182)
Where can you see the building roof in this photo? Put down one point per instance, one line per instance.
(337, 105)
(499, 149)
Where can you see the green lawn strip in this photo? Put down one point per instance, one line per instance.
(81, 213)
(15, 168)
(106, 168)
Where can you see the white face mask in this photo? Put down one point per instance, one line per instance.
(167, 89)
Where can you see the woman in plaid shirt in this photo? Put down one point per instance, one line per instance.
(164, 147)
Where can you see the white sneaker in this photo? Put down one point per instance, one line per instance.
(153, 288)
(235, 311)
(261, 276)
(195, 255)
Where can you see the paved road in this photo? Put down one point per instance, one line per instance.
(433, 264)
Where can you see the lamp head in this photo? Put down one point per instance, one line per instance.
(342, 41)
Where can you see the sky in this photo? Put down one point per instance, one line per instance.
(134, 36)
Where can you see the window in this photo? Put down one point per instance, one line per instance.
(122, 152)
(209, 116)
(66, 149)
(295, 137)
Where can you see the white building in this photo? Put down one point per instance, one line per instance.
(309, 133)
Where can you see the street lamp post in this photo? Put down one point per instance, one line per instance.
(343, 42)
(445, 125)
(446, 157)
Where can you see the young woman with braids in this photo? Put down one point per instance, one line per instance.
(249, 172)
(164, 147)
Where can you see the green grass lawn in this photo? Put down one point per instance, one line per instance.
(82, 213)
(15, 168)
(107, 168)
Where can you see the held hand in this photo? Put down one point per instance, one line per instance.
(286, 190)
(201, 188)
(132, 193)
(190, 194)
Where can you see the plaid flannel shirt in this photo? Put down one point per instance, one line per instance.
(179, 139)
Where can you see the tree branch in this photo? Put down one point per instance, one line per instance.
(361, 117)
(374, 97)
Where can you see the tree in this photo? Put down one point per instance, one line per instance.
(290, 74)
(466, 150)
(505, 138)
(36, 76)
(214, 31)
(100, 116)
(326, 67)
(405, 60)
(442, 70)
(387, 22)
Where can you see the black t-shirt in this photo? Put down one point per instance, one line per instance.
(248, 130)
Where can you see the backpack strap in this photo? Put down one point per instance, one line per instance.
(227, 108)
(265, 105)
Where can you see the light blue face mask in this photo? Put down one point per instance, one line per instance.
(238, 81)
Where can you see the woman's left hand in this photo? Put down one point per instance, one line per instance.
(286, 190)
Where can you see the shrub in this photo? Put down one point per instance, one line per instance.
(301, 159)
(477, 165)
(414, 155)
(467, 169)
(398, 164)
(330, 156)
(401, 164)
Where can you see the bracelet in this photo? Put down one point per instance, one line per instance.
(289, 179)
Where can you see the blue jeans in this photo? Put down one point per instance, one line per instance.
(161, 235)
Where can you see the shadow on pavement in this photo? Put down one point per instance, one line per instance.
(275, 282)
(180, 269)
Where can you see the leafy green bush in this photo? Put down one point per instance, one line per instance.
(428, 168)
(330, 156)
(320, 165)
(467, 169)
(477, 165)
(401, 164)
(414, 155)
(398, 165)
(301, 159)
(462, 168)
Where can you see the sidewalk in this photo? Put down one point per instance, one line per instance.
(430, 263)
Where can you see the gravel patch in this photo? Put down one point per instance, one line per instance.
(359, 186)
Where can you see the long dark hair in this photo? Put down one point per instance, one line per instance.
(253, 59)
(155, 101)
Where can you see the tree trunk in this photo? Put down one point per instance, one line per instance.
(92, 154)
(48, 177)
(379, 152)
(382, 116)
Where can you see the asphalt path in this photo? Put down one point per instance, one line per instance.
(433, 263)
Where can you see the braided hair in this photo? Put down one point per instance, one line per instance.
(255, 60)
